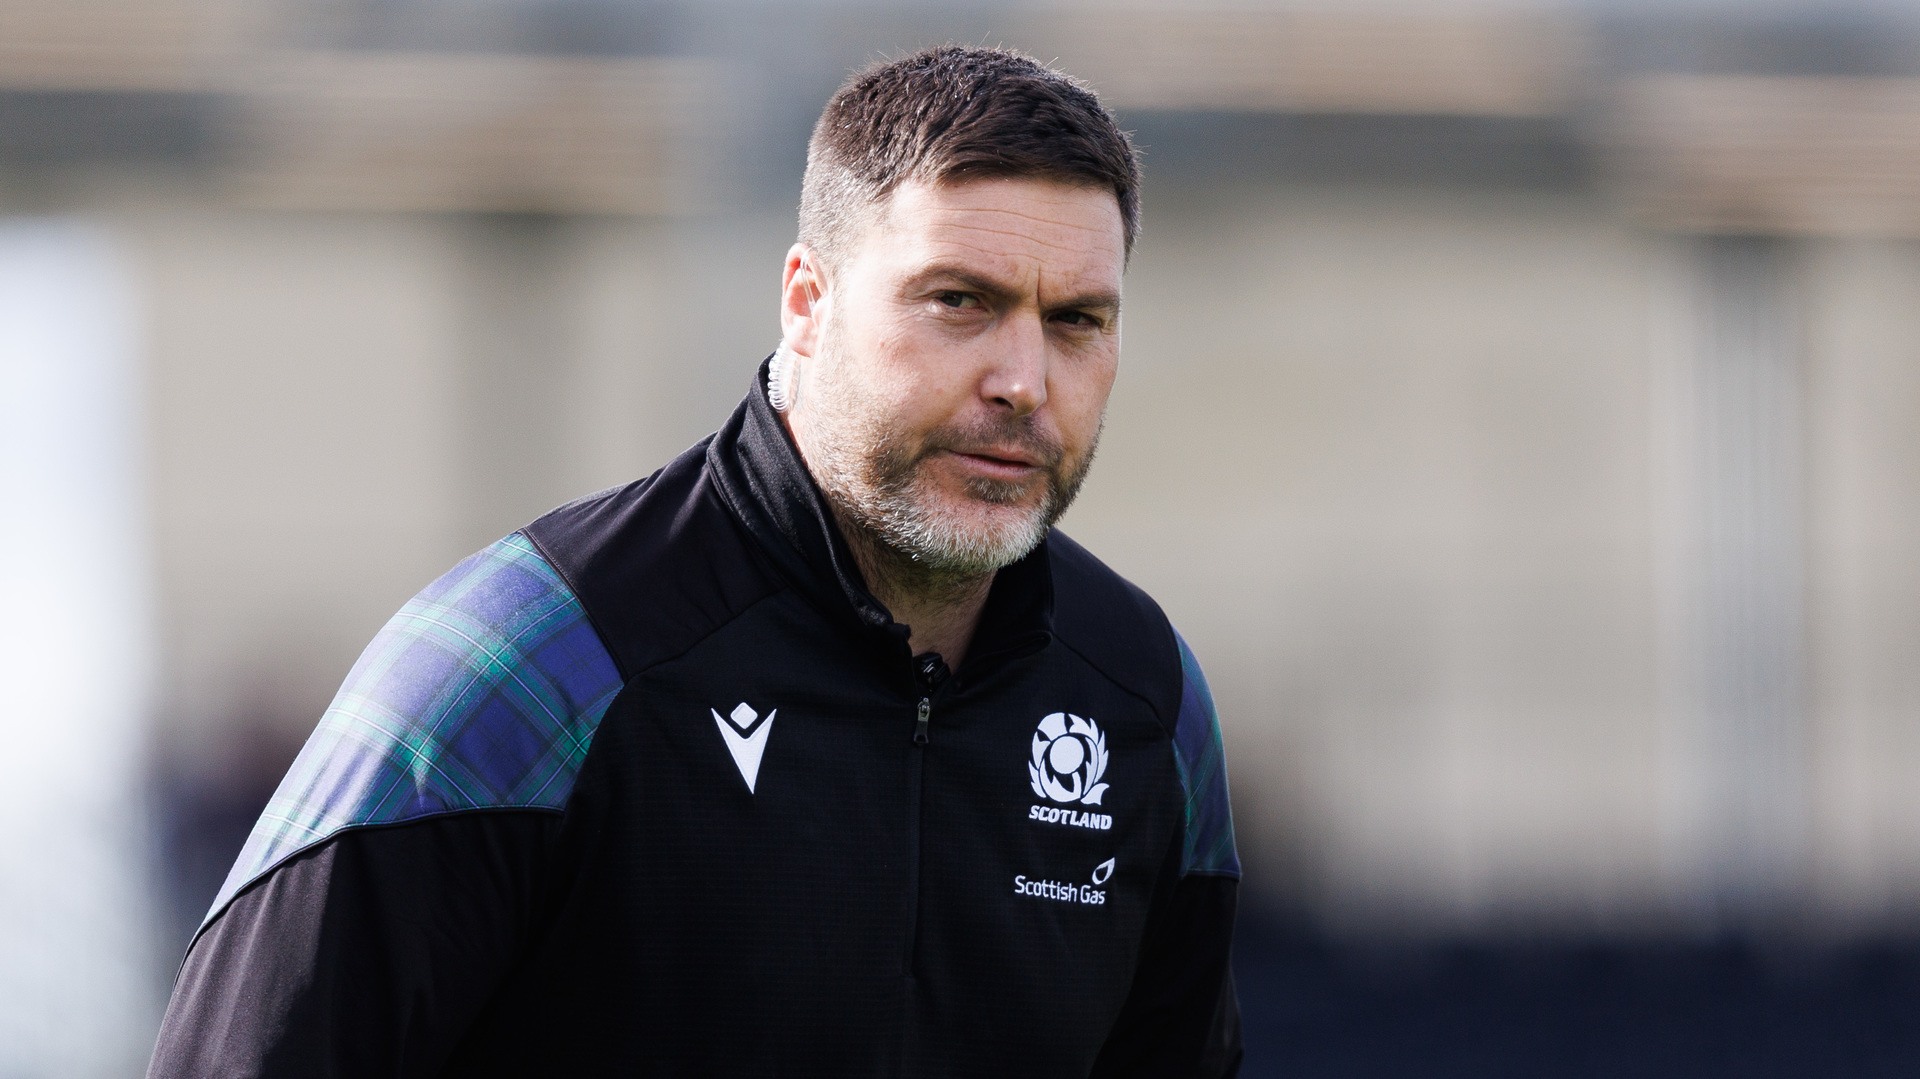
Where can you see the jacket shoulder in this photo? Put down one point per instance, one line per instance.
(1200, 755)
(483, 692)
(1115, 626)
(657, 564)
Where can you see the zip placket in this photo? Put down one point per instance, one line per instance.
(916, 780)
(930, 673)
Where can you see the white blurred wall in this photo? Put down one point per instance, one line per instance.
(77, 942)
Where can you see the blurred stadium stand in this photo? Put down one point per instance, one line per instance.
(1518, 415)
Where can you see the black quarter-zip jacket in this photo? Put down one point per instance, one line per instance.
(654, 786)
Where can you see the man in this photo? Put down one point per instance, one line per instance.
(815, 753)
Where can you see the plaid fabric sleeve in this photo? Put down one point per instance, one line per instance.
(1202, 761)
(482, 693)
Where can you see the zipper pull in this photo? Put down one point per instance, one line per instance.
(920, 721)
(930, 669)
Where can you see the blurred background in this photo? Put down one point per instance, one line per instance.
(1520, 415)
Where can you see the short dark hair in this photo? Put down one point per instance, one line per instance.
(955, 113)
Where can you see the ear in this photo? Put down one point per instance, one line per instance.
(803, 291)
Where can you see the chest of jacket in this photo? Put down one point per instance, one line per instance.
(826, 872)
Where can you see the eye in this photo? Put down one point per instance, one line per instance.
(1078, 319)
(957, 300)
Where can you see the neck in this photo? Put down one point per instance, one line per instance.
(940, 609)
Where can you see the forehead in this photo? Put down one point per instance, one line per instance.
(1037, 233)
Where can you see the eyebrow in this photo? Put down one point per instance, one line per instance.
(972, 281)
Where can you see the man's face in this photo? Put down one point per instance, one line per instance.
(955, 369)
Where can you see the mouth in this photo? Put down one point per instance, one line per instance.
(999, 463)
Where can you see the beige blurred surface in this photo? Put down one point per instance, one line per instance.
(1394, 462)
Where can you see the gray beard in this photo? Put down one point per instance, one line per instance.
(875, 484)
(895, 511)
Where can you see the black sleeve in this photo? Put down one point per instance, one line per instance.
(366, 957)
(1181, 1017)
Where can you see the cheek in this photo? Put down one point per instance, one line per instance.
(1079, 391)
(890, 354)
(923, 378)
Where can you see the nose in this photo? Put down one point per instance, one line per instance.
(1017, 379)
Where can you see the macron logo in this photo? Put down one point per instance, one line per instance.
(746, 736)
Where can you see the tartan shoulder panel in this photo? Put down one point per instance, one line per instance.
(1201, 758)
(483, 692)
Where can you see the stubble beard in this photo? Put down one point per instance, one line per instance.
(877, 480)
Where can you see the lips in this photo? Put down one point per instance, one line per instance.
(1006, 452)
(1034, 453)
(1005, 457)
(994, 465)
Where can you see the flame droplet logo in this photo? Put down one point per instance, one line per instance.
(1069, 757)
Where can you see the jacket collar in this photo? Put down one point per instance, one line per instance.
(763, 480)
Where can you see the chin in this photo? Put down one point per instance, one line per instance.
(969, 538)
